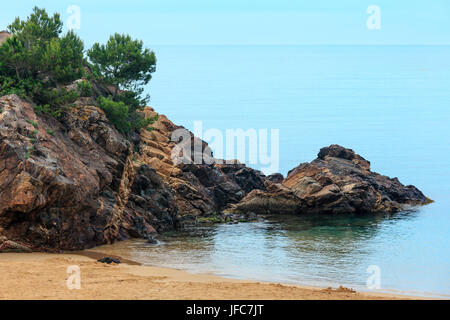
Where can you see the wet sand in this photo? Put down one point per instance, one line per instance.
(44, 276)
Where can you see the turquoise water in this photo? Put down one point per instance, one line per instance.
(312, 250)
(391, 104)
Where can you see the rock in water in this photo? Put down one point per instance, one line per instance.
(75, 182)
(338, 181)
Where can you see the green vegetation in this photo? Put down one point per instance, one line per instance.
(85, 89)
(117, 113)
(42, 109)
(123, 63)
(36, 61)
(34, 123)
(40, 64)
(211, 220)
(29, 153)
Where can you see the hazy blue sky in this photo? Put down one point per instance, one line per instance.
(253, 22)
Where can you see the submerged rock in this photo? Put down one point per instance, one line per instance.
(338, 181)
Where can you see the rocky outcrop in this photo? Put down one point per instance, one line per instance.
(275, 178)
(67, 183)
(338, 181)
(276, 199)
(75, 182)
(199, 189)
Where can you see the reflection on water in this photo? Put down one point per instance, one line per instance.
(388, 103)
(318, 250)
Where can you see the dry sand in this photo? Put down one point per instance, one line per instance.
(44, 276)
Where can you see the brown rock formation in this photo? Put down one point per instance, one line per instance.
(76, 182)
(338, 181)
(277, 199)
(275, 178)
(198, 188)
(66, 184)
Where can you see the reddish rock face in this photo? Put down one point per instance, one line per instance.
(198, 188)
(75, 182)
(65, 184)
(338, 181)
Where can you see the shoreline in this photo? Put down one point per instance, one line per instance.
(44, 276)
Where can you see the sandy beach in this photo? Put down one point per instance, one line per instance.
(44, 276)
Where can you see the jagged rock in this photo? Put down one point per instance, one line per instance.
(76, 182)
(275, 178)
(276, 199)
(151, 207)
(199, 189)
(338, 181)
(65, 184)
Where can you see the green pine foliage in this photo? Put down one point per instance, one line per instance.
(85, 89)
(38, 63)
(123, 63)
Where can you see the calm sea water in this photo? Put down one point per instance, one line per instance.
(391, 104)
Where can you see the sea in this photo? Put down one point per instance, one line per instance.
(390, 104)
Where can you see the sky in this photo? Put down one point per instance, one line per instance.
(250, 22)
